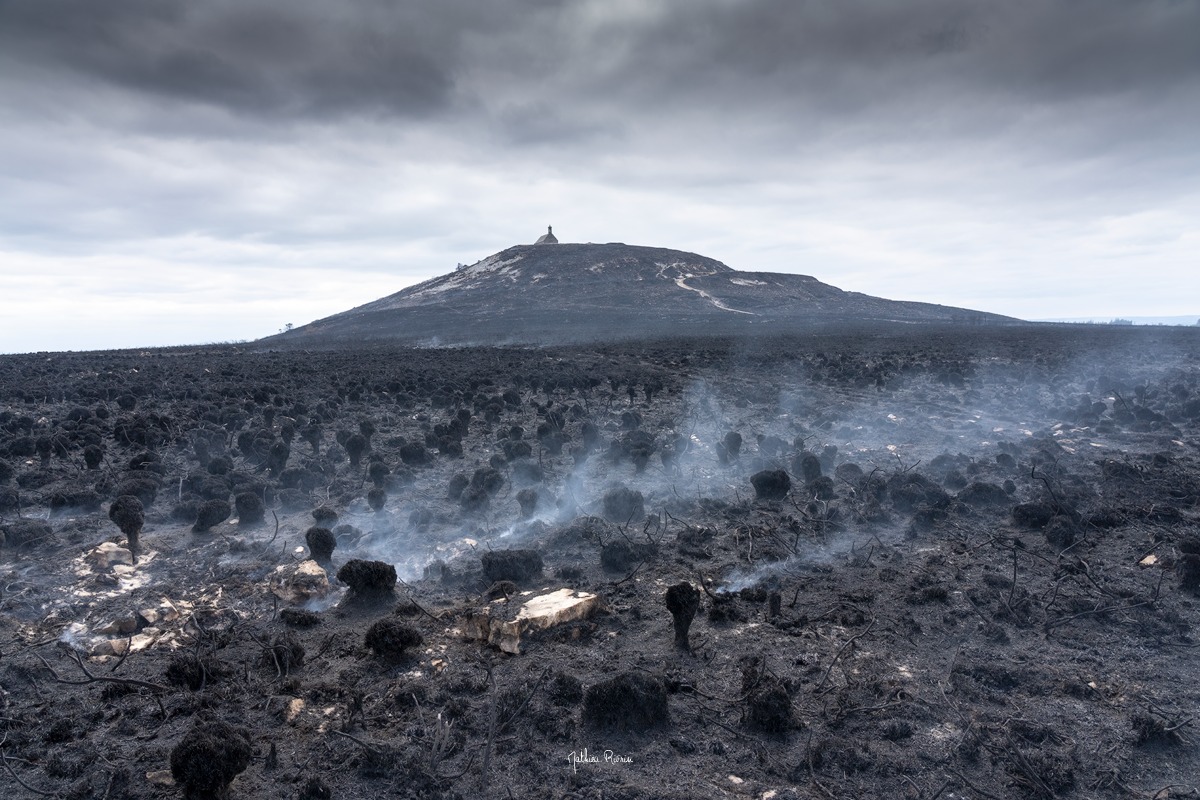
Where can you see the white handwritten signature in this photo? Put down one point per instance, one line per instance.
(585, 756)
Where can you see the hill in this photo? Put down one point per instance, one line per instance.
(554, 293)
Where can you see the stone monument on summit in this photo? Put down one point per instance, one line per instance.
(548, 236)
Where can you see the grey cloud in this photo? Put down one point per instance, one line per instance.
(309, 58)
(253, 57)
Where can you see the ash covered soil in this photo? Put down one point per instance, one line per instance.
(916, 563)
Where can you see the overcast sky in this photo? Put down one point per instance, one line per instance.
(205, 171)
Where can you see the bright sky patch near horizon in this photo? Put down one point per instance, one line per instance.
(181, 173)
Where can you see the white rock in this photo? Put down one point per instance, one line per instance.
(502, 623)
(301, 583)
(108, 554)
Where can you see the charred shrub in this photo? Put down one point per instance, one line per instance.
(457, 484)
(808, 466)
(209, 757)
(194, 672)
(93, 454)
(768, 705)
(733, 445)
(250, 508)
(389, 638)
(683, 601)
(127, 513)
(622, 555)
(910, 490)
(220, 465)
(378, 473)
(356, 445)
(143, 488)
(983, 495)
(321, 543)
(210, 514)
(565, 689)
(87, 500)
(186, 509)
(527, 499)
(284, 653)
(1153, 730)
(324, 516)
(630, 701)
(1188, 565)
(638, 446)
(771, 484)
(315, 789)
(1060, 532)
(512, 565)
(474, 499)
(488, 479)
(299, 617)
(525, 472)
(294, 500)
(25, 532)
(277, 457)
(1033, 515)
(414, 454)
(624, 505)
(368, 578)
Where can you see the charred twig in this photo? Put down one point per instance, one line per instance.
(812, 773)
(1054, 623)
(485, 769)
(500, 728)
(972, 786)
(365, 745)
(155, 687)
(837, 657)
(125, 654)
(4, 759)
(629, 577)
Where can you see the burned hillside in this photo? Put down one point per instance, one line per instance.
(904, 562)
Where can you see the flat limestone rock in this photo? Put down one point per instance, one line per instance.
(109, 554)
(299, 584)
(503, 622)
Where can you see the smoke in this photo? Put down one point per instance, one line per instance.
(946, 418)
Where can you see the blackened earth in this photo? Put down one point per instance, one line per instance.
(981, 582)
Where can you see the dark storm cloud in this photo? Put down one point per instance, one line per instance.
(307, 58)
(252, 57)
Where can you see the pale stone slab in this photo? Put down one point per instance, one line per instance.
(503, 622)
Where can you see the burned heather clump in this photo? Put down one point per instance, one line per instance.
(209, 757)
(284, 653)
(250, 508)
(321, 543)
(26, 533)
(210, 514)
(683, 601)
(127, 514)
(368, 579)
(623, 505)
(389, 638)
(630, 701)
(771, 484)
(512, 565)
